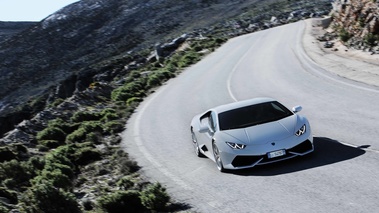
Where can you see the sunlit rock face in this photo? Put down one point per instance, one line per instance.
(359, 18)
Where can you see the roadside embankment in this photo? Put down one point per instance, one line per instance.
(352, 64)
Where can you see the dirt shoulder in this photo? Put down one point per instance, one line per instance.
(352, 64)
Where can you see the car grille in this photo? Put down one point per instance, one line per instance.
(242, 161)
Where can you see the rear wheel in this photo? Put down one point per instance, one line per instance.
(216, 154)
(196, 145)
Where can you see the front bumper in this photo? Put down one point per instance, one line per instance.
(234, 160)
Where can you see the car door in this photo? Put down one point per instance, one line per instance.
(207, 120)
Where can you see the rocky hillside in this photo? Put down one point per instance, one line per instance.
(62, 53)
(7, 29)
(356, 22)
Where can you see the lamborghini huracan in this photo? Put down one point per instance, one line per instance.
(252, 132)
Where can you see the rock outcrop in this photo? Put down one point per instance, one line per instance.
(356, 22)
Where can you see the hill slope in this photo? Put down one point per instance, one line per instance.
(61, 54)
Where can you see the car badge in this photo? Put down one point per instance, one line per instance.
(273, 143)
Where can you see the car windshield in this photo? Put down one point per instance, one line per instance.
(252, 115)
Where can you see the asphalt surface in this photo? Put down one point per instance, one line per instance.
(340, 176)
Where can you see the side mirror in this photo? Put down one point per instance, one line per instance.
(203, 129)
(296, 109)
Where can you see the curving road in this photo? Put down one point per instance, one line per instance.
(340, 176)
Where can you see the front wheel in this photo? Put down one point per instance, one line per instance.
(216, 154)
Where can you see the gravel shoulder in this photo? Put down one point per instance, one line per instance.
(352, 64)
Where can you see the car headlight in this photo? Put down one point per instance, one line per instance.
(301, 131)
(236, 145)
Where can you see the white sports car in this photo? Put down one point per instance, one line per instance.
(252, 132)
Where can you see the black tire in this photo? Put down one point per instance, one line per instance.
(216, 154)
(196, 145)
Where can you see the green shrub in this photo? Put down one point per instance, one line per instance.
(18, 172)
(92, 126)
(158, 77)
(37, 163)
(86, 155)
(109, 116)
(47, 198)
(58, 170)
(65, 169)
(131, 89)
(133, 101)
(81, 116)
(50, 143)
(344, 35)
(125, 165)
(121, 201)
(94, 137)
(371, 39)
(153, 81)
(155, 197)
(77, 136)
(61, 124)
(56, 102)
(61, 155)
(189, 58)
(125, 183)
(51, 133)
(85, 128)
(55, 177)
(114, 127)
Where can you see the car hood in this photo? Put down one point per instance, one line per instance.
(265, 133)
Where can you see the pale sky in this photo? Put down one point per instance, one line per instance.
(30, 10)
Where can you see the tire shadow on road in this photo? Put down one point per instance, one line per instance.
(327, 151)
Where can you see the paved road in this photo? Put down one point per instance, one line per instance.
(340, 176)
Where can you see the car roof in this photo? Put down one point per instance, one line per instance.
(239, 104)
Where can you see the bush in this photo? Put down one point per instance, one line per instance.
(86, 155)
(121, 201)
(125, 165)
(109, 116)
(50, 143)
(158, 77)
(61, 124)
(155, 197)
(51, 133)
(189, 58)
(37, 163)
(46, 198)
(77, 136)
(125, 183)
(18, 172)
(56, 178)
(131, 89)
(371, 39)
(133, 101)
(85, 116)
(94, 137)
(85, 128)
(344, 35)
(114, 127)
